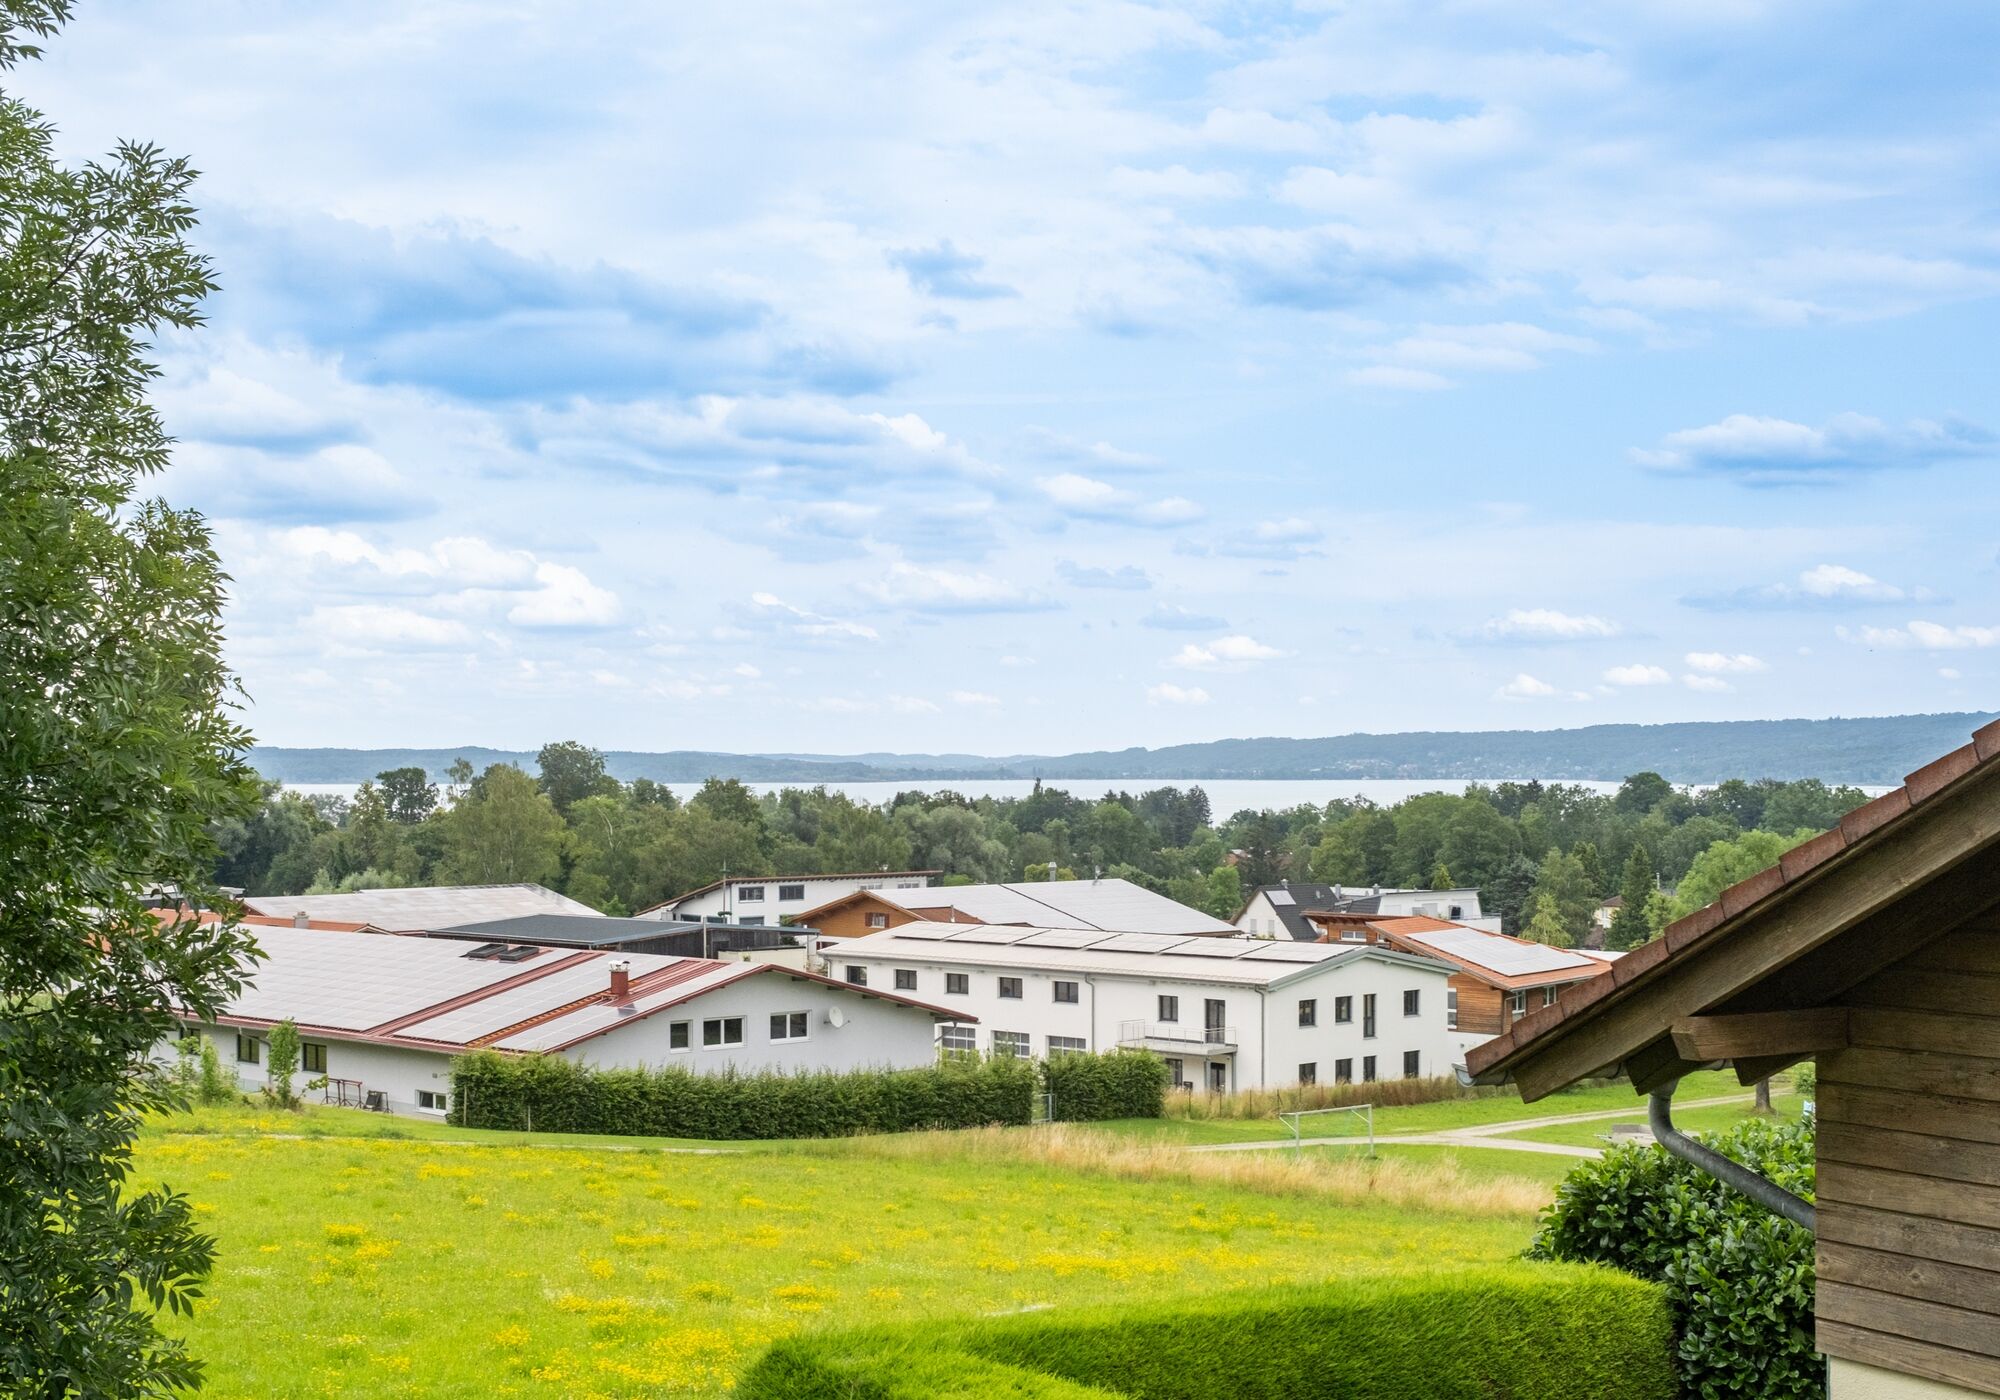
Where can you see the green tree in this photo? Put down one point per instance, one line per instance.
(217, 1085)
(1440, 877)
(1659, 913)
(408, 794)
(118, 758)
(1478, 842)
(503, 832)
(571, 772)
(1547, 924)
(1726, 862)
(1641, 793)
(1628, 925)
(281, 1053)
(1593, 867)
(728, 800)
(1563, 880)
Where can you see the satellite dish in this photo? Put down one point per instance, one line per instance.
(835, 1017)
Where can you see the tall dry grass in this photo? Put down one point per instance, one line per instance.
(1267, 1103)
(1437, 1185)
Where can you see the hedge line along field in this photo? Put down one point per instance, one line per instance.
(387, 1267)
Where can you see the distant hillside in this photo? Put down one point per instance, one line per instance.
(1868, 751)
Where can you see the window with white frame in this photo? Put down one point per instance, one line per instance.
(1013, 1044)
(958, 1038)
(1010, 989)
(791, 892)
(1067, 1045)
(906, 979)
(1451, 1008)
(678, 1035)
(790, 1025)
(718, 1031)
(1065, 991)
(749, 894)
(1548, 996)
(1519, 1002)
(957, 984)
(878, 921)
(432, 1101)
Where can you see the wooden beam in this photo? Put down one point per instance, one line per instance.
(1916, 880)
(1759, 1034)
(1755, 1069)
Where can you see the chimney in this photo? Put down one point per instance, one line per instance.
(621, 980)
(302, 920)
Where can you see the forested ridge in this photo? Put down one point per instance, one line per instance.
(1545, 855)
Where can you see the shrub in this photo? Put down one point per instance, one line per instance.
(1519, 1333)
(555, 1095)
(186, 1072)
(1739, 1280)
(1805, 1078)
(283, 1050)
(1264, 1103)
(1118, 1084)
(217, 1084)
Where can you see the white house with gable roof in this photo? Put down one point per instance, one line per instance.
(1226, 1013)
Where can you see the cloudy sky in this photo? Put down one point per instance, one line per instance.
(1035, 377)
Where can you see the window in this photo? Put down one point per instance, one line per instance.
(721, 1030)
(1308, 1012)
(677, 1035)
(432, 1100)
(1309, 1074)
(1519, 1002)
(959, 1038)
(1343, 1071)
(1413, 1000)
(1170, 1009)
(246, 1049)
(878, 921)
(1368, 1016)
(791, 892)
(1176, 1074)
(1457, 912)
(1411, 1064)
(1451, 1009)
(1218, 1078)
(1548, 996)
(1214, 1014)
(312, 1057)
(1066, 992)
(1013, 1044)
(1354, 935)
(857, 974)
(906, 979)
(1066, 1045)
(789, 1025)
(957, 984)
(749, 894)
(1010, 989)
(1367, 1069)
(1343, 1010)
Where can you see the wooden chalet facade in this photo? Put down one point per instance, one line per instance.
(1876, 948)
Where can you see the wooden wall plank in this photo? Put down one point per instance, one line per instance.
(1929, 989)
(1914, 1235)
(1914, 1071)
(1915, 1154)
(1973, 946)
(1902, 1110)
(1937, 1323)
(1911, 1358)
(1962, 1201)
(1928, 1280)
(1941, 1030)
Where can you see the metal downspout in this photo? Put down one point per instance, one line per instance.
(1761, 1189)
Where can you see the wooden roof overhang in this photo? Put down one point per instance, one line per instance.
(1748, 979)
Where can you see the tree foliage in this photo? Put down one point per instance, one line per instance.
(120, 760)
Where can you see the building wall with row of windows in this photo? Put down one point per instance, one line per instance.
(1374, 1015)
(766, 901)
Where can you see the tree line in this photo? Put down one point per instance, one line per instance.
(1544, 856)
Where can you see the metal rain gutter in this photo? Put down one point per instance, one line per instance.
(1761, 1189)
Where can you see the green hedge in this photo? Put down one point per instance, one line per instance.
(555, 1095)
(1525, 1332)
(1740, 1281)
(1119, 1084)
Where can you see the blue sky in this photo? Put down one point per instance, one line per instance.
(1042, 377)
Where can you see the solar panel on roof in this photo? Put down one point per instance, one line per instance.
(1291, 952)
(988, 933)
(1141, 943)
(1064, 938)
(1279, 896)
(1216, 948)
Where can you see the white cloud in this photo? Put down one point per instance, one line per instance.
(811, 624)
(1951, 673)
(974, 697)
(1397, 377)
(1085, 496)
(1706, 683)
(1721, 663)
(924, 588)
(371, 626)
(747, 671)
(1928, 636)
(1546, 624)
(912, 705)
(564, 597)
(1224, 653)
(1524, 687)
(1639, 675)
(1166, 693)
(1823, 586)
(1777, 451)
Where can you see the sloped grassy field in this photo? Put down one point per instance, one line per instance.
(384, 1267)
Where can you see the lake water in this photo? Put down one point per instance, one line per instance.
(1225, 795)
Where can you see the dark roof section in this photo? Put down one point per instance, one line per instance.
(1710, 927)
(1320, 899)
(576, 931)
(788, 879)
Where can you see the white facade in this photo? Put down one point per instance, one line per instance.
(1235, 1016)
(1277, 911)
(767, 899)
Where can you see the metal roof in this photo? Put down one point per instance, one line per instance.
(422, 907)
(1113, 905)
(1510, 957)
(1237, 961)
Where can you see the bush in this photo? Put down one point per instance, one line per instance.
(550, 1094)
(217, 1084)
(283, 1052)
(1264, 1103)
(1739, 1280)
(1118, 1084)
(1518, 1333)
(1805, 1078)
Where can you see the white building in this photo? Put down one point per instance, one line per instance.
(384, 1015)
(765, 899)
(419, 907)
(1227, 1013)
(1279, 911)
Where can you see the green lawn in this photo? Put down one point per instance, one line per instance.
(1474, 1164)
(1692, 1120)
(320, 1121)
(385, 1265)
